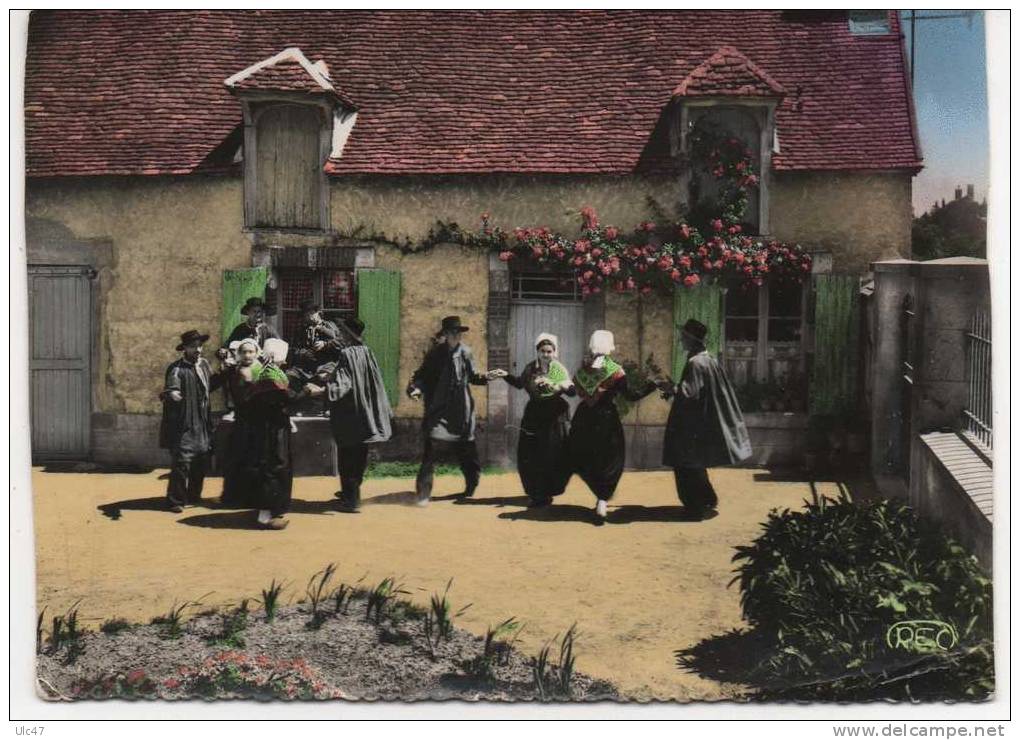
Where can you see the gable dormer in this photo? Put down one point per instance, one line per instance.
(295, 118)
(732, 95)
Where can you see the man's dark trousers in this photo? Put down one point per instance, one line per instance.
(467, 457)
(695, 489)
(187, 476)
(351, 463)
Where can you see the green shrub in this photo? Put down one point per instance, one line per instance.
(824, 585)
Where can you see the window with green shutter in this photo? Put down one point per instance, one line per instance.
(379, 308)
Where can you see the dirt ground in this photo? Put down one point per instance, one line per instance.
(639, 588)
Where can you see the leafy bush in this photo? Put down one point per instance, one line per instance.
(824, 585)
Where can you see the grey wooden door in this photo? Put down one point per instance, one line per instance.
(528, 320)
(60, 347)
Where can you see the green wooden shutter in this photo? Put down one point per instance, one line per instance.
(238, 287)
(379, 308)
(704, 303)
(833, 386)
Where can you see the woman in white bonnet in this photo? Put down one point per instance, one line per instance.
(596, 443)
(542, 459)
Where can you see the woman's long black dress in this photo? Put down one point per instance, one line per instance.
(542, 460)
(596, 443)
(258, 472)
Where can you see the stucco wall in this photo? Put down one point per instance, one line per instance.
(170, 240)
(402, 207)
(860, 218)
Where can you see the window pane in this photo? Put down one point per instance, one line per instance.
(295, 288)
(784, 330)
(785, 299)
(741, 330)
(338, 290)
(742, 300)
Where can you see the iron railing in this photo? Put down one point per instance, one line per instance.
(978, 414)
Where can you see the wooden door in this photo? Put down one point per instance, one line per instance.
(60, 362)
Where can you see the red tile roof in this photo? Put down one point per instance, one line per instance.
(728, 72)
(142, 92)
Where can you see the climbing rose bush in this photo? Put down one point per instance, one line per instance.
(651, 255)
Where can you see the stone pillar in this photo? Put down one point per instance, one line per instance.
(894, 280)
(498, 339)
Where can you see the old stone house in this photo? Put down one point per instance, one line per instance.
(178, 162)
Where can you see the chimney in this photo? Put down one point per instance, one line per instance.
(970, 192)
(958, 193)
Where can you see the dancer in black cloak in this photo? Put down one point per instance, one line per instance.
(596, 444)
(542, 460)
(186, 429)
(258, 472)
(705, 427)
(359, 410)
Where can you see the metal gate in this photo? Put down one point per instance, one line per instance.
(541, 303)
(60, 347)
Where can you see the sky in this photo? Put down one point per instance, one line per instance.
(950, 94)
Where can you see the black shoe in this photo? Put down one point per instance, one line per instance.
(348, 506)
(539, 503)
(175, 508)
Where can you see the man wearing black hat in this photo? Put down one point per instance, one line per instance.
(186, 428)
(444, 379)
(359, 409)
(705, 427)
(253, 327)
(315, 350)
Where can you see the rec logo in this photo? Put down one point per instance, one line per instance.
(922, 636)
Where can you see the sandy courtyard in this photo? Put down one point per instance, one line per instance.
(639, 588)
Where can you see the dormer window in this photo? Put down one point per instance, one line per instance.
(869, 22)
(292, 111)
(727, 113)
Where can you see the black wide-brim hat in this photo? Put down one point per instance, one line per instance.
(253, 302)
(452, 323)
(695, 330)
(190, 336)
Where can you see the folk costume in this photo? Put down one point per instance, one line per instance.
(258, 473)
(186, 429)
(542, 460)
(596, 442)
(444, 378)
(705, 427)
(359, 410)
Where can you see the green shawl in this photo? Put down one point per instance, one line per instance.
(591, 378)
(557, 374)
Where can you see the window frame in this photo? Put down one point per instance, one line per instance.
(760, 364)
(764, 110)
